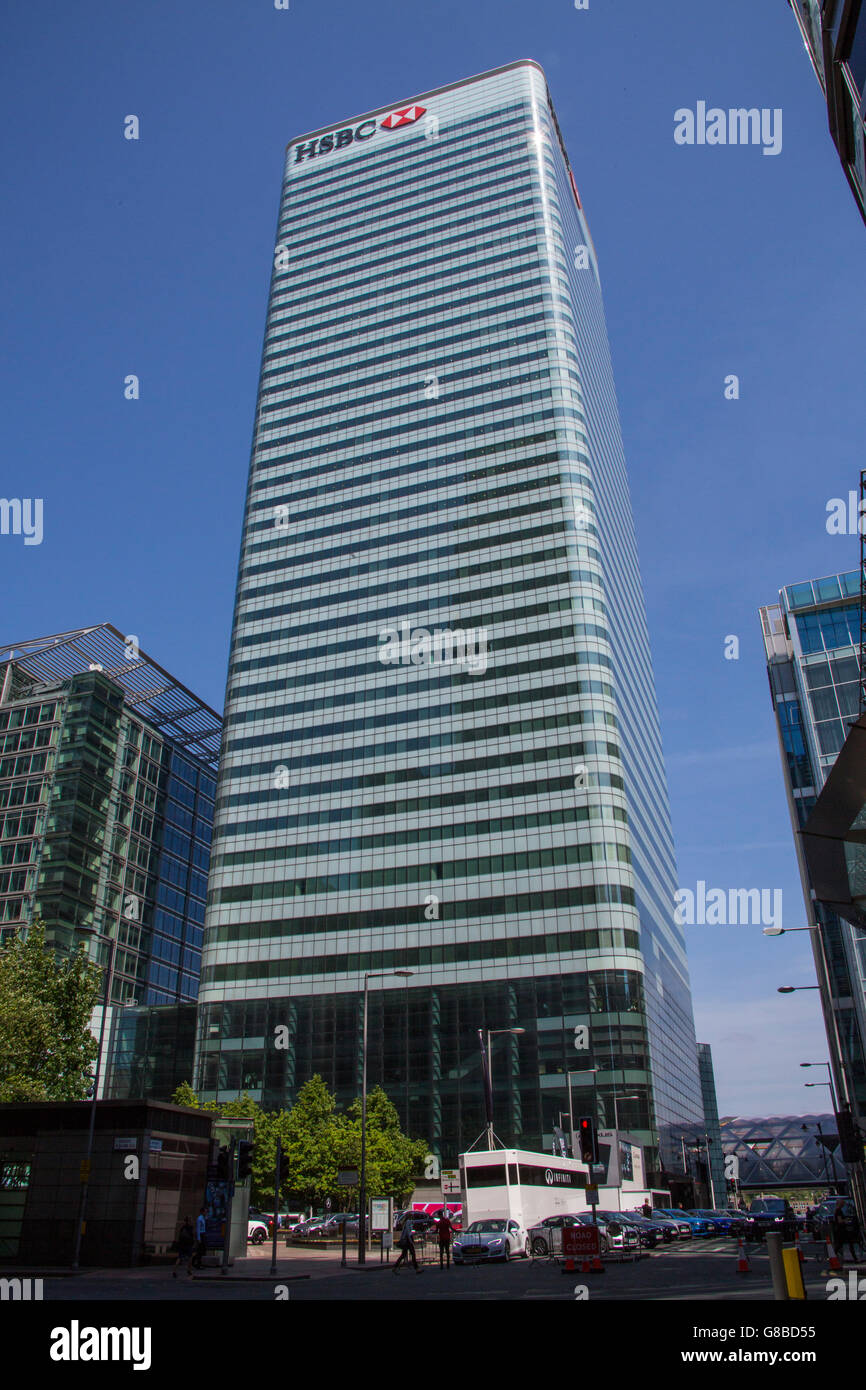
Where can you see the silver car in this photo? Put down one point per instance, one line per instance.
(494, 1238)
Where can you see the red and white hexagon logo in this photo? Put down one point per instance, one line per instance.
(407, 116)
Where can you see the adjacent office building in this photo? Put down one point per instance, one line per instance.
(812, 642)
(107, 784)
(834, 32)
(441, 772)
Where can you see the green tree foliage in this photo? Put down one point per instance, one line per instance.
(47, 1051)
(318, 1143)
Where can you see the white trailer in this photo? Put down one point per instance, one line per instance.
(526, 1187)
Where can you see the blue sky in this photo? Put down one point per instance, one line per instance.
(153, 257)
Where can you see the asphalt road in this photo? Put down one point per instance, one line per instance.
(691, 1270)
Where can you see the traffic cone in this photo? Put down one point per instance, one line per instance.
(596, 1267)
(743, 1266)
(832, 1257)
(585, 1267)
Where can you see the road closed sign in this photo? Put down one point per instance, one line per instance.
(579, 1242)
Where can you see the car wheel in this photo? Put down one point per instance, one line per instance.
(507, 1255)
(539, 1246)
(526, 1249)
(258, 1237)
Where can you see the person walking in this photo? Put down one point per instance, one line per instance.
(407, 1245)
(185, 1245)
(844, 1231)
(200, 1241)
(445, 1231)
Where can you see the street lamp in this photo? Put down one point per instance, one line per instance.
(824, 1083)
(615, 1115)
(85, 1183)
(792, 989)
(488, 1094)
(362, 1186)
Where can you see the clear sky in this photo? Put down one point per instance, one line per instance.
(153, 257)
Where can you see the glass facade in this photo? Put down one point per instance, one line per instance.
(441, 748)
(834, 32)
(105, 825)
(812, 642)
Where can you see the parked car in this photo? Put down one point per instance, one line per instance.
(257, 1231)
(696, 1225)
(652, 1233)
(545, 1238)
(494, 1238)
(728, 1223)
(422, 1221)
(612, 1233)
(771, 1214)
(670, 1227)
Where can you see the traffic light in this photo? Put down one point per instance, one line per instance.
(222, 1165)
(850, 1138)
(245, 1159)
(587, 1139)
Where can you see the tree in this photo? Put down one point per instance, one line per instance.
(185, 1095)
(393, 1159)
(47, 1051)
(311, 1139)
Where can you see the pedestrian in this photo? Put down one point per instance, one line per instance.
(200, 1241)
(647, 1210)
(184, 1245)
(407, 1245)
(445, 1230)
(845, 1230)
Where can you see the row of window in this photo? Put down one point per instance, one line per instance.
(452, 709)
(476, 595)
(422, 835)
(26, 715)
(452, 953)
(427, 676)
(429, 742)
(443, 648)
(523, 757)
(403, 875)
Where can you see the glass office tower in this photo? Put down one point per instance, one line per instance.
(442, 752)
(812, 642)
(834, 32)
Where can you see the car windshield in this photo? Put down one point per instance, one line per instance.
(487, 1227)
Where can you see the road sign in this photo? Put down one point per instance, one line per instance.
(580, 1242)
(347, 1177)
(592, 1196)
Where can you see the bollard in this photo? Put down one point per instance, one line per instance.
(777, 1266)
(793, 1273)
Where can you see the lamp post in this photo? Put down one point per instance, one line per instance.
(362, 1186)
(615, 1115)
(488, 1096)
(85, 1184)
(828, 1083)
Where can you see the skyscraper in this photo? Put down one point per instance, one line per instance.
(812, 642)
(442, 752)
(834, 32)
(107, 780)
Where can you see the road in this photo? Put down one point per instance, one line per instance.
(688, 1271)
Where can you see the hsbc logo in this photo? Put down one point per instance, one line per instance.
(408, 116)
(340, 139)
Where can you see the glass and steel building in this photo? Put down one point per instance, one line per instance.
(107, 784)
(783, 1151)
(834, 32)
(812, 643)
(712, 1137)
(441, 750)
